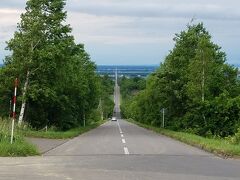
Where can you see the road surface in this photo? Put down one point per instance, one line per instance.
(135, 154)
(121, 151)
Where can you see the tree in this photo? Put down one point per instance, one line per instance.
(195, 85)
(106, 103)
(58, 84)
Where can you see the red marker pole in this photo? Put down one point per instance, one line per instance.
(14, 108)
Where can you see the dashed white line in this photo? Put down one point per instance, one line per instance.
(126, 151)
(120, 130)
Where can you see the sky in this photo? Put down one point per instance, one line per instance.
(136, 32)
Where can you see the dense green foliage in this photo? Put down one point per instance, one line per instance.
(130, 87)
(198, 89)
(106, 104)
(58, 83)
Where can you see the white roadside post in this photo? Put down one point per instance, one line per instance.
(14, 108)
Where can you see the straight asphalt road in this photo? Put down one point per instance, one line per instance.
(107, 154)
(119, 150)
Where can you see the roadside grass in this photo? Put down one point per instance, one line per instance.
(52, 134)
(19, 147)
(220, 147)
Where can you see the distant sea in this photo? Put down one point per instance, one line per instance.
(126, 70)
(130, 70)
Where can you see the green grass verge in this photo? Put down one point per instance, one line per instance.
(20, 148)
(61, 134)
(220, 147)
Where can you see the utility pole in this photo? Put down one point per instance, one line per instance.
(115, 88)
(84, 120)
(100, 108)
(116, 78)
(203, 80)
(163, 111)
(163, 122)
(203, 76)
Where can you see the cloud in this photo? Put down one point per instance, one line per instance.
(116, 30)
(134, 26)
(8, 23)
(12, 4)
(204, 9)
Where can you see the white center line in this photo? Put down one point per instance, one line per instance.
(126, 151)
(120, 130)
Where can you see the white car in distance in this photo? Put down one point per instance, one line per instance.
(114, 119)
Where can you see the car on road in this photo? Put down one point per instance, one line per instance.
(114, 119)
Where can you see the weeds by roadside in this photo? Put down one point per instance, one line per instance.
(53, 134)
(19, 147)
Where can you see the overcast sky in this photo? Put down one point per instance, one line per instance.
(137, 31)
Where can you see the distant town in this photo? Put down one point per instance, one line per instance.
(127, 71)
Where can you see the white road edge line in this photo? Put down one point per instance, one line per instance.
(122, 135)
(126, 152)
(123, 141)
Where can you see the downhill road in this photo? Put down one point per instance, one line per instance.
(119, 150)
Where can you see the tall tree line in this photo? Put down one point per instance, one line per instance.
(106, 103)
(57, 81)
(195, 85)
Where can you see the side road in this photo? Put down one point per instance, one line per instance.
(46, 141)
(44, 145)
(29, 142)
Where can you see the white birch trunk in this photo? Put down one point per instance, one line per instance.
(21, 116)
